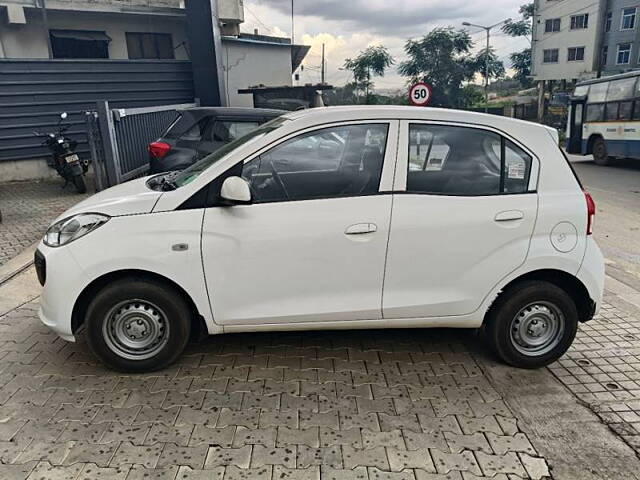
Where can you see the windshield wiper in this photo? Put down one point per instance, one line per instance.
(167, 183)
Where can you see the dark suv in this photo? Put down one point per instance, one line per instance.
(200, 131)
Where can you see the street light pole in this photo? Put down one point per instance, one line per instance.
(486, 58)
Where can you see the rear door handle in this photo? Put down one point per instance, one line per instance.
(361, 228)
(509, 215)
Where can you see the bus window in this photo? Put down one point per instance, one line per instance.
(624, 111)
(611, 111)
(581, 91)
(595, 113)
(598, 92)
(621, 89)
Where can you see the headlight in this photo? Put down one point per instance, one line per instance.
(72, 228)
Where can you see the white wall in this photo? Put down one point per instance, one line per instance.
(565, 38)
(248, 64)
(30, 40)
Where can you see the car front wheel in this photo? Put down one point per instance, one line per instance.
(138, 325)
(532, 324)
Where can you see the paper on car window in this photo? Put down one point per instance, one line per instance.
(516, 171)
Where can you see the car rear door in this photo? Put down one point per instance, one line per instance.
(312, 245)
(464, 209)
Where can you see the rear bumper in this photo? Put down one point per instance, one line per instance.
(591, 274)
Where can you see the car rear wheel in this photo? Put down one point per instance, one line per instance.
(138, 325)
(532, 324)
(600, 155)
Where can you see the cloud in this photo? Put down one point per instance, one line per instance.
(349, 26)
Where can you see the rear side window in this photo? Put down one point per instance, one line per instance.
(227, 131)
(447, 160)
(186, 127)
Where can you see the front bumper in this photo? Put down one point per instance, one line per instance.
(62, 284)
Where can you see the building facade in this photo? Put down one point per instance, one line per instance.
(143, 29)
(566, 36)
(621, 37)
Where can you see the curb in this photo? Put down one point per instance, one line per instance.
(17, 264)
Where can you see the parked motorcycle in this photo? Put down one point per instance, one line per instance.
(63, 159)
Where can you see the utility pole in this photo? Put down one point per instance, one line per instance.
(486, 58)
(293, 36)
(322, 68)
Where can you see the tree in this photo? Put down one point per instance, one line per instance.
(521, 61)
(370, 62)
(496, 67)
(441, 58)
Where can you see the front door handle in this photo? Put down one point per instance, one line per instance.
(509, 215)
(361, 228)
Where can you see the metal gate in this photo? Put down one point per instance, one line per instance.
(118, 139)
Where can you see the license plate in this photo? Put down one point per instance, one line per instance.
(72, 158)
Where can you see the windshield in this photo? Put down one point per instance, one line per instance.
(194, 171)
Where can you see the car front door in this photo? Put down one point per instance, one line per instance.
(461, 222)
(311, 246)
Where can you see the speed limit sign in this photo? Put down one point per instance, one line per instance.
(420, 94)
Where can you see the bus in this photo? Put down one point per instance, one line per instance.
(604, 118)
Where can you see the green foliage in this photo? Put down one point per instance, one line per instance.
(495, 67)
(371, 62)
(521, 61)
(441, 58)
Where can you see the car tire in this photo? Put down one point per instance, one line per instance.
(531, 324)
(138, 325)
(600, 155)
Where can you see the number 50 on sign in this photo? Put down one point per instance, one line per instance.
(420, 94)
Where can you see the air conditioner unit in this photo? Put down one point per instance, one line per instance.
(231, 11)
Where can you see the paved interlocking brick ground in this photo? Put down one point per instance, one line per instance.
(602, 369)
(27, 210)
(409, 404)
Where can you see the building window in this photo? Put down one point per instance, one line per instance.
(552, 25)
(579, 21)
(628, 19)
(550, 56)
(605, 53)
(79, 44)
(149, 45)
(624, 53)
(607, 22)
(575, 54)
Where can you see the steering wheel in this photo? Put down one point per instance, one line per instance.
(276, 177)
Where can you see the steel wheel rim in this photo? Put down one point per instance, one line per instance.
(135, 329)
(537, 328)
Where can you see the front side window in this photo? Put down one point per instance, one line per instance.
(552, 25)
(550, 55)
(575, 54)
(579, 21)
(149, 45)
(446, 160)
(342, 161)
(624, 54)
(628, 21)
(624, 110)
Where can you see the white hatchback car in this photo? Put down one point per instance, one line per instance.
(335, 218)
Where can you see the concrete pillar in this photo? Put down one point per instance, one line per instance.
(205, 49)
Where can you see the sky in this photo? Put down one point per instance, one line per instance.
(347, 27)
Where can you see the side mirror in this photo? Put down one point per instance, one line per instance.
(235, 190)
(63, 115)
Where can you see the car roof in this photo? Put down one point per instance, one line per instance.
(200, 112)
(398, 112)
